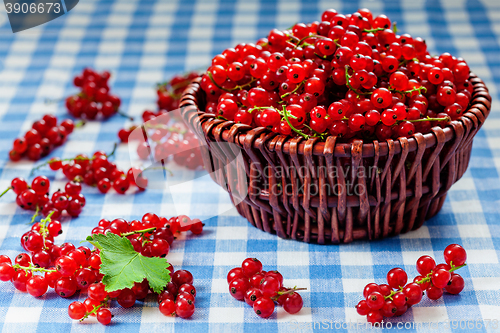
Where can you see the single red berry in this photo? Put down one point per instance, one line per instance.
(455, 285)
(375, 300)
(370, 288)
(77, 310)
(374, 316)
(104, 316)
(238, 287)
(18, 185)
(389, 309)
(362, 308)
(434, 292)
(167, 307)
(251, 295)
(425, 264)
(37, 285)
(184, 308)
(397, 278)
(263, 307)
(181, 277)
(293, 303)
(66, 286)
(413, 293)
(399, 299)
(455, 254)
(251, 266)
(126, 298)
(440, 278)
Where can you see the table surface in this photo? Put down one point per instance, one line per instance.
(144, 42)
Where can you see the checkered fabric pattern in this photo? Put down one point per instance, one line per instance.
(144, 42)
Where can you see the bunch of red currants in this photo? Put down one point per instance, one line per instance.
(397, 296)
(349, 76)
(41, 139)
(261, 289)
(95, 98)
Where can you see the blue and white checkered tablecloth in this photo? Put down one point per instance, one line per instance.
(144, 42)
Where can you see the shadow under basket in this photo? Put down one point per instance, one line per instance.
(328, 192)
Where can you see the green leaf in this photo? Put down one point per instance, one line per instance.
(122, 265)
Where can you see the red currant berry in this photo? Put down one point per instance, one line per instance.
(293, 303)
(440, 278)
(77, 310)
(425, 264)
(455, 254)
(251, 266)
(238, 287)
(375, 300)
(263, 307)
(456, 284)
(397, 278)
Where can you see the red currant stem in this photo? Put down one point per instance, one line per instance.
(394, 292)
(162, 168)
(394, 27)
(287, 292)
(293, 91)
(7, 190)
(37, 212)
(259, 108)
(123, 114)
(269, 107)
(142, 232)
(321, 57)
(94, 310)
(80, 123)
(307, 37)
(285, 114)
(32, 268)
(429, 119)
(235, 88)
(337, 43)
(316, 134)
(409, 91)
(112, 152)
(78, 158)
(43, 229)
(373, 30)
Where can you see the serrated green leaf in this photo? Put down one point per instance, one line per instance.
(122, 265)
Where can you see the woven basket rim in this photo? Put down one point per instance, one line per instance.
(480, 102)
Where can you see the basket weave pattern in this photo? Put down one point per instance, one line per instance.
(291, 180)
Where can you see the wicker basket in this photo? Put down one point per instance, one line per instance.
(406, 184)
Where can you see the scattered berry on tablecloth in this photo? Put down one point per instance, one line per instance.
(397, 296)
(167, 136)
(45, 134)
(94, 99)
(261, 289)
(36, 197)
(98, 171)
(349, 76)
(169, 95)
(170, 92)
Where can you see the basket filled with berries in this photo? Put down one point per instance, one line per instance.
(347, 129)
